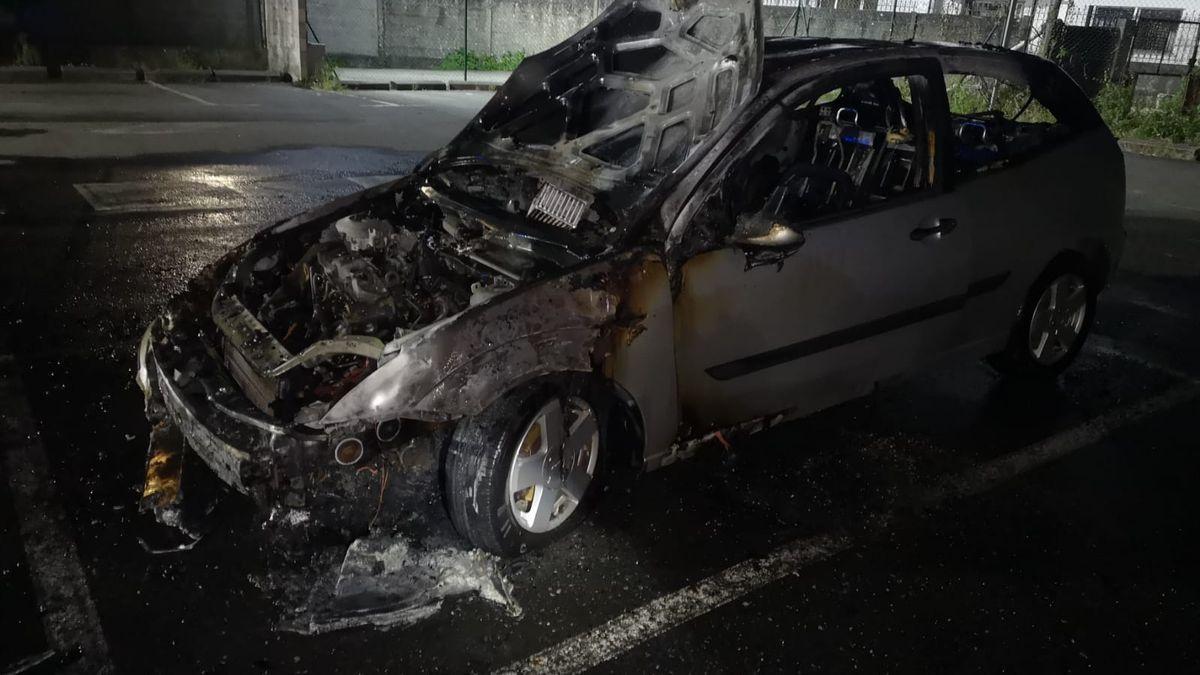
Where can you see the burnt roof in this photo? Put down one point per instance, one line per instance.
(784, 51)
(780, 54)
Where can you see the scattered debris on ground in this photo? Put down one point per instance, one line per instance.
(390, 581)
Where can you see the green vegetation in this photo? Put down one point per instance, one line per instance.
(973, 94)
(325, 78)
(476, 61)
(1130, 118)
(26, 54)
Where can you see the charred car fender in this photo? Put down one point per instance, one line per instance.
(611, 317)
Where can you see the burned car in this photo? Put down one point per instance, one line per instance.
(664, 228)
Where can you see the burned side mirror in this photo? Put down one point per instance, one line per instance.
(765, 230)
(768, 227)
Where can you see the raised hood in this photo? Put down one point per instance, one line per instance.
(624, 101)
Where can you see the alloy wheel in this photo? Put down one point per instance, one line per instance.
(1058, 319)
(554, 463)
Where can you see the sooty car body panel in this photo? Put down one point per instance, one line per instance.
(435, 295)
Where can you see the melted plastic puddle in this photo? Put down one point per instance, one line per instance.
(388, 581)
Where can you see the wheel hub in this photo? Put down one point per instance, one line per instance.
(553, 464)
(1058, 319)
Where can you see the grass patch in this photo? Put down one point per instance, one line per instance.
(1130, 118)
(460, 58)
(973, 94)
(326, 77)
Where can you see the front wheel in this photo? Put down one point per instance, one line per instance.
(1052, 325)
(524, 471)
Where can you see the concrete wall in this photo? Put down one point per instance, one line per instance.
(230, 24)
(202, 24)
(90, 31)
(284, 30)
(347, 27)
(422, 32)
(886, 25)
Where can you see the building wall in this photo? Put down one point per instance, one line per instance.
(204, 24)
(283, 21)
(212, 24)
(347, 27)
(224, 33)
(421, 32)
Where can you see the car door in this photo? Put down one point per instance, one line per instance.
(870, 289)
(1039, 169)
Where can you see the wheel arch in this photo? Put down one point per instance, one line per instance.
(1090, 256)
(626, 425)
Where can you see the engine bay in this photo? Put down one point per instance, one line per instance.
(328, 298)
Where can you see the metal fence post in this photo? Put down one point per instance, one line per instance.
(1048, 28)
(1008, 19)
(465, 52)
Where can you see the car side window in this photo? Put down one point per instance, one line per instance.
(846, 146)
(996, 121)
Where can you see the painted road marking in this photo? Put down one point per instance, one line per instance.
(186, 95)
(632, 628)
(69, 618)
(379, 103)
(155, 197)
(214, 193)
(1102, 344)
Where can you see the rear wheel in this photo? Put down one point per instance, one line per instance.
(523, 472)
(1052, 325)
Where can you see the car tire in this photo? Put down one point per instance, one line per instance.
(1053, 323)
(506, 489)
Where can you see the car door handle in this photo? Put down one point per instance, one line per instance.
(939, 226)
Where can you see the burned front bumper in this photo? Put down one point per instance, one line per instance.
(289, 471)
(189, 391)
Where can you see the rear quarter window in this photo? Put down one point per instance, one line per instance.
(1004, 110)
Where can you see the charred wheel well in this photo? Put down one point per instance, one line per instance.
(1092, 257)
(626, 434)
(625, 437)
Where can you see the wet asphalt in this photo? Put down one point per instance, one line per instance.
(1087, 563)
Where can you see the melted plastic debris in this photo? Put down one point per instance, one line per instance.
(387, 581)
(289, 517)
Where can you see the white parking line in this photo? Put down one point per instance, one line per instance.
(1102, 344)
(151, 197)
(69, 618)
(379, 103)
(376, 103)
(628, 630)
(186, 95)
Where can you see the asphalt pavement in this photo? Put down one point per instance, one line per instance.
(110, 120)
(946, 523)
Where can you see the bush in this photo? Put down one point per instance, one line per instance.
(1128, 118)
(476, 61)
(325, 78)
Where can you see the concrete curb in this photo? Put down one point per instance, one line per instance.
(1185, 152)
(197, 76)
(37, 75)
(443, 85)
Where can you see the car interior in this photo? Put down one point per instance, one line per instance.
(995, 121)
(849, 147)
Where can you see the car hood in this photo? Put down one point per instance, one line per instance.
(619, 106)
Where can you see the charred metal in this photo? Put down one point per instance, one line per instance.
(642, 217)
